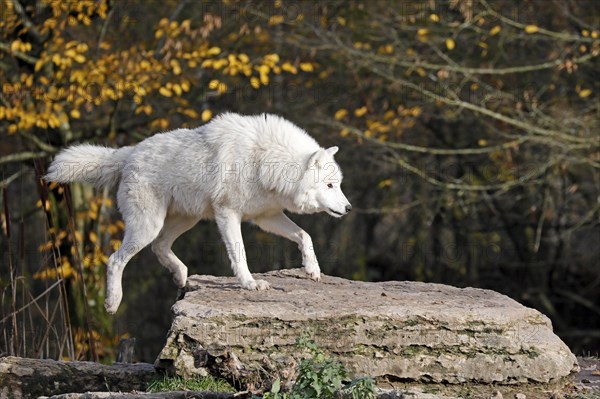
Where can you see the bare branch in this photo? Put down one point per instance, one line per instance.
(22, 156)
(6, 182)
(27, 58)
(426, 150)
(529, 177)
(42, 146)
(555, 35)
(31, 29)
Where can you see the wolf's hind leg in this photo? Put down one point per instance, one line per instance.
(174, 226)
(136, 238)
(281, 225)
(143, 221)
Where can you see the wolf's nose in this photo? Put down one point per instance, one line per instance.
(348, 208)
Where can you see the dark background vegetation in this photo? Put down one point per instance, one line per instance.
(469, 136)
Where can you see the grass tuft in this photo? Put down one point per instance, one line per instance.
(198, 384)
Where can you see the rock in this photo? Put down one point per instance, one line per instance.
(384, 394)
(30, 378)
(496, 395)
(142, 395)
(403, 331)
(409, 394)
(520, 396)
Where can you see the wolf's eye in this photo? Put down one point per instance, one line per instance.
(329, 185)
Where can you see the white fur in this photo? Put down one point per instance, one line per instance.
(233, 169)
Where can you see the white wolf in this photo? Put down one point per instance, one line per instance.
(233, 169)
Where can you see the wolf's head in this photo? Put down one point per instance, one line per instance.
(320, 189)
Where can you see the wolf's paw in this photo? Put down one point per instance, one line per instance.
(313, 271)
(180, 277)
(112, 302)
(316, 276)
(256, 285)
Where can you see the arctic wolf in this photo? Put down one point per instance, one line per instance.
(235, 168)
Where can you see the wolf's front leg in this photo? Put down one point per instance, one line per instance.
(281, 225)
(229, 223)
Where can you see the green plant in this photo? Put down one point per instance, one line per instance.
(322, 377)
(204, 384)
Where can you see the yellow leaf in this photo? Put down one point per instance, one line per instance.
(38, 65)
(450, 44)
(93, 237)
(340, 114)
(243, 58)
(387, 49)
(531, 29)
(482, 142)
(165, 92)
(12, 129)
(214, 51)
(345, 132)
(495, 30)
(264, 79)
(360, 111)
(158, 34)
(434, 17)
(176, 68)
(75, 114)
(275, 19)
(254, 82)
(185, 85)
(271, 59)
(289, 68)
(422, 31)
(16, 45)
(585, 93)
(162, 123)
(221, 88)
(213, 84)
(306, 66)
(79, 58)
(206, 115)
(177, 89)
(385, 183)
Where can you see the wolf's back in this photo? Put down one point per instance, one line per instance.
(97, 165)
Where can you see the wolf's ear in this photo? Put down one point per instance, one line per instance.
(332, 150)
(317, 158)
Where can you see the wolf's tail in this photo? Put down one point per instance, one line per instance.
(97, 165)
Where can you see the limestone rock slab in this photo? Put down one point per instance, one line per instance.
(404, 331)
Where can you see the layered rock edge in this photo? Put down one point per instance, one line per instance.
(396, 330)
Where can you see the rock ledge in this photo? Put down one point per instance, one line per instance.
(400, 331)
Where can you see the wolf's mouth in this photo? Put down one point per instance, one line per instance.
(337, 213)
